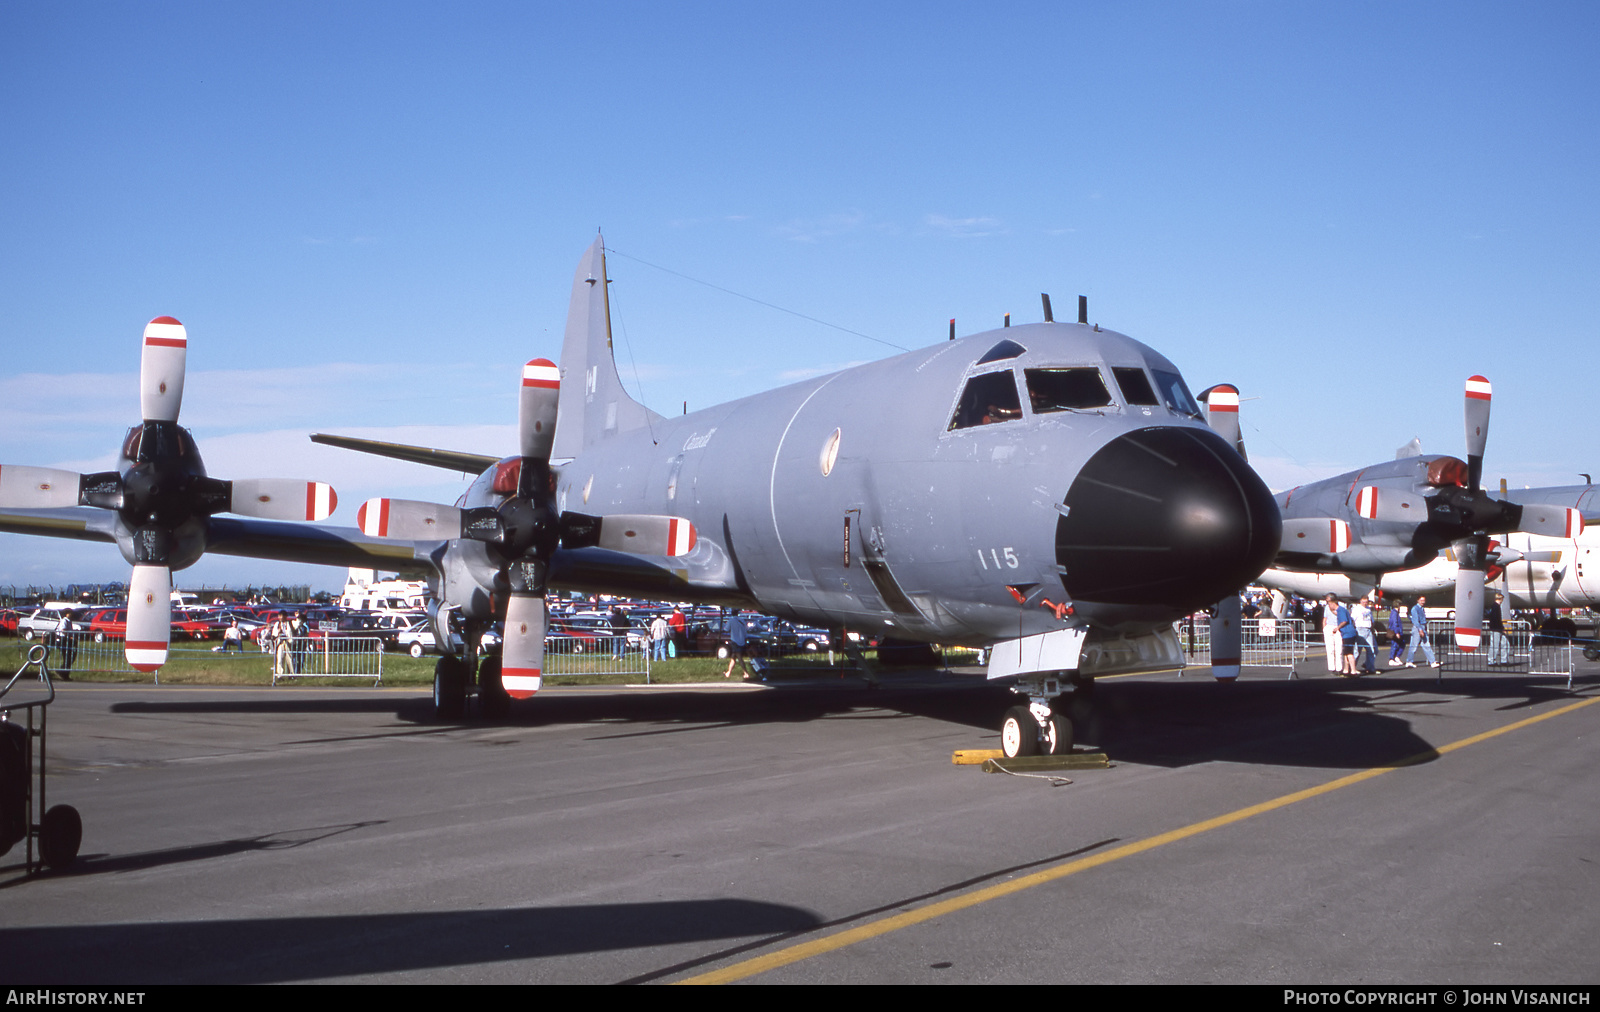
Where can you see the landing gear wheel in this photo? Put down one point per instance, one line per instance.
(1057, 739)
(1019, 734)
(450, 688)
(60, 833)
(493, 700)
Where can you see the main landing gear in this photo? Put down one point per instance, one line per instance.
(1042, 727)
(452, 677)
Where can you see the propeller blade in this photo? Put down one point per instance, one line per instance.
(1323, 536)
(1469, 608)
(149, 617)
(161, 365)
(1222, 413)
(536, 408)
(636, 534)
(1376, 503)
(282, 499)
(27, 488)
(1478, 393)
(408, 520)
(522, 649)
(1551, 521)
(1227, 638)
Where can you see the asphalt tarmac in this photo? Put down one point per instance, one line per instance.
(1272, 831)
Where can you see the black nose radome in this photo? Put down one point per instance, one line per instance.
(1165, 516)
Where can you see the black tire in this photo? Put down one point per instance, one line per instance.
(416, 649)
(450, 688)
(27, 634)
(99, 637)
(1057, 738)
(1591, 653)
(493, 700)
(1019, 733)
(60, 834)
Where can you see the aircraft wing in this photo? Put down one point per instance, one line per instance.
(450, 460)
(322, 546)
(80, 523)
(600, 570)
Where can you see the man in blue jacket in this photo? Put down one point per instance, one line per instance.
(1419, 634)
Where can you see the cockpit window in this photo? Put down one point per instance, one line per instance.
(1004, 350)
(1066, 389)
(1135, 385)
(1176, 394)
(987, 399)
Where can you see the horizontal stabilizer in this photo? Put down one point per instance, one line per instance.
(450, 460)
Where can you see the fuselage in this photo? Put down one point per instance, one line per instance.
(946, 494)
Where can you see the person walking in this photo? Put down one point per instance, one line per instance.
(1361, 618)
(1332, 641)
(1397, 634)
(1494, 623)
(1419, 634)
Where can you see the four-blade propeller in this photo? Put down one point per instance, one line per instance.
(525, 529)
(1463, 515)
(161, 494)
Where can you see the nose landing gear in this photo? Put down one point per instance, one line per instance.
(1042, 727)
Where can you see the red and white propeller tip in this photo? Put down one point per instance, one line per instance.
(536, 408)
(161, 368)
(283, 499)
(1224, 398)
(522, 646)
(149, 630)
(648, 535)
(1376, 503)
(1323, 536)
(1469, 609)
(408, 519)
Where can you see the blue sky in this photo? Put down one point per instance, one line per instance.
(368, 215)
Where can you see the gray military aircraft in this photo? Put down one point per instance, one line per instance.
(1047, 490)
(1400, 514)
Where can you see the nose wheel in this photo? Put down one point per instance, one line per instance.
(1040, 728)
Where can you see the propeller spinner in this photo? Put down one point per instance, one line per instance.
(161, 494)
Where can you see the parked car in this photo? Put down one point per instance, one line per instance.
(46, 619)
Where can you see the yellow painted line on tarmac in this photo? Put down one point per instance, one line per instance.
(886, 925)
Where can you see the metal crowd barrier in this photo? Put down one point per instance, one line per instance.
(580, 655)
(328, 657)
(1265, 642)
(1520, 650)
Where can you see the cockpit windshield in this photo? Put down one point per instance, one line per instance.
(1135, 385)
(1066, 389)
(1176, 394)
(988, 398)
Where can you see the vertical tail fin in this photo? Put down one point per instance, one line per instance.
(593, 405)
